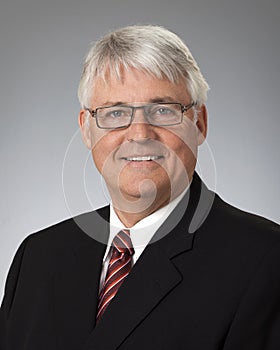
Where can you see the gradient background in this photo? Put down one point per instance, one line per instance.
(236, 44)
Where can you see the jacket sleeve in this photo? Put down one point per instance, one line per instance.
(9, 293)
(256, 325)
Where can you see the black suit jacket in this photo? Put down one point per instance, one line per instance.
(216, 288)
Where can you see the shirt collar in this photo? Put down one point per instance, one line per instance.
(142, 232)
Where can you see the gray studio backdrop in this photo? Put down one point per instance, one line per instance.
(42, 45)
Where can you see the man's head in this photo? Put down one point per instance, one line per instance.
(145, 146)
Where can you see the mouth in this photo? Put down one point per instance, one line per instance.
(142, 158)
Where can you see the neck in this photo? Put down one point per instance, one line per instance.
(129, 218)
(131, 210)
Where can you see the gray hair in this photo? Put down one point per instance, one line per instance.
(149, 48)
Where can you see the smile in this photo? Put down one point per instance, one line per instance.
(142, 158)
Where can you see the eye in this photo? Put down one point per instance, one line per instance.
(116, 113)
(163, 111)
(159, 111)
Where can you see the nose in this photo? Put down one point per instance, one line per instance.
(140, 129)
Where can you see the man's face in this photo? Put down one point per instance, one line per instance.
(144, 162)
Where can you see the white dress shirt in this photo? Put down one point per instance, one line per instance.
(141, 233)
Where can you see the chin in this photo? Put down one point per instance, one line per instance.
(145, 190)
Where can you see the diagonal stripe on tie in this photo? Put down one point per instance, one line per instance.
(119, 267)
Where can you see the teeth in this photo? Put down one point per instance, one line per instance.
(141, 159)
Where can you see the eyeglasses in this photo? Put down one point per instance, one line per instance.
(157, 114)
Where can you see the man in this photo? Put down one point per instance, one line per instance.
(168, 265)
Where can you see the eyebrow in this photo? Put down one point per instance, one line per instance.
(153, 100)
(163, 99)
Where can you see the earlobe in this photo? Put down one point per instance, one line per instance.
(202, 122)
(84, 124)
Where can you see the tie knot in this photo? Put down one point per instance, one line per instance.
(122, 242)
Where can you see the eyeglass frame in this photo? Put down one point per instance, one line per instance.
(184, 108)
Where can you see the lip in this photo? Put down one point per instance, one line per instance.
(147, 161)
(142, 158)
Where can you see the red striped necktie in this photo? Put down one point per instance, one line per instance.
(119, 267)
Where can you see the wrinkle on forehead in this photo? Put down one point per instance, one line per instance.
(130, 83)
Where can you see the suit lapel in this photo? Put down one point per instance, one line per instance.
(150, 280)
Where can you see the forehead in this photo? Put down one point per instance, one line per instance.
(137, 86)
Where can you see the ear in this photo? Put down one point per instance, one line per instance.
(84, 124)
(202, 124)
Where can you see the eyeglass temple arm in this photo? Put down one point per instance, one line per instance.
(92, 113)
(187, 107)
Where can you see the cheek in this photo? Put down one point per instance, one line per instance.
(182, 140)
(98, 160)
(104, 146)
(182, 145)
